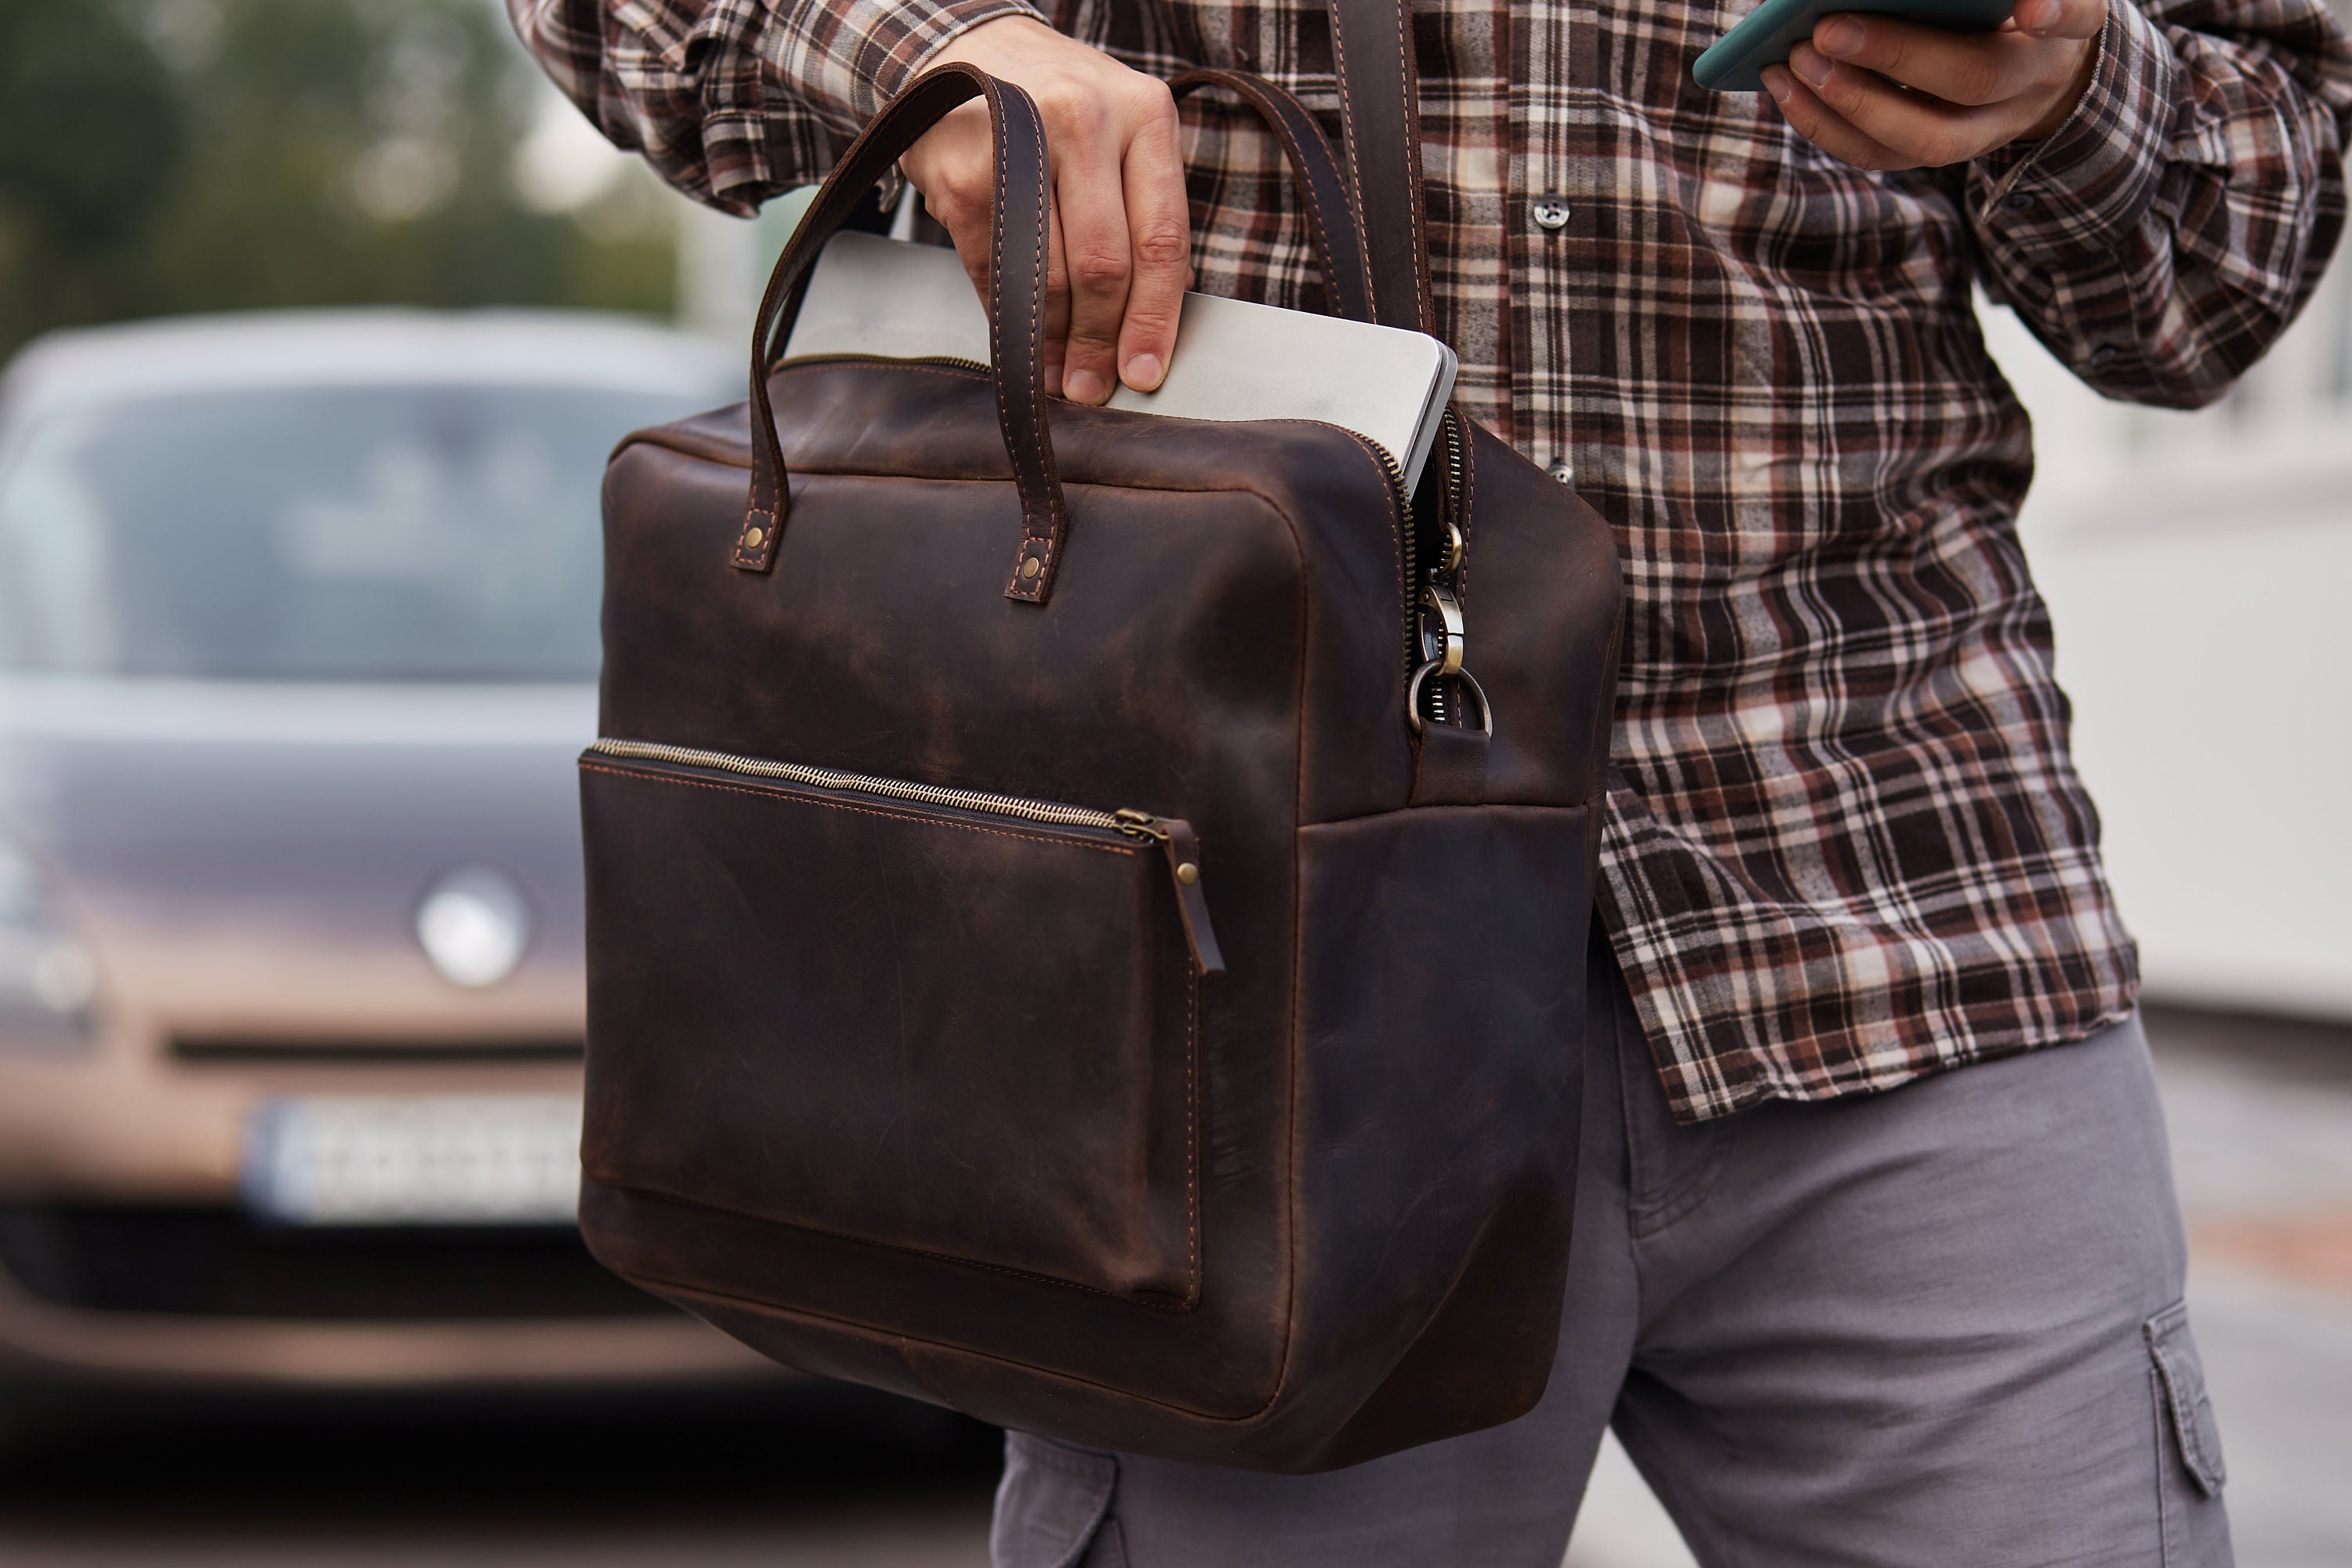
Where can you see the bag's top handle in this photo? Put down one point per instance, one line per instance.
(1016, 309)
(1331, 222)
(1016, 284)
(1379, 105)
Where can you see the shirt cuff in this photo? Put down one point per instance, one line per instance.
(2094, 178)
(847, 59)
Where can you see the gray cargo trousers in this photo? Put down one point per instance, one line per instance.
(1938, 1327)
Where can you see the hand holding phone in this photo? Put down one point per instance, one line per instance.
(1873, 85)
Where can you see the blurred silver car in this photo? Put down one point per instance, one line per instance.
(297, 642)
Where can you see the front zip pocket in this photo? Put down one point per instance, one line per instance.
(1173, 835)
(938, 1020)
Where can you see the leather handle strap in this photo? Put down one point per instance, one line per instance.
(1016, 309)
(1379, 105)
(1332, 224)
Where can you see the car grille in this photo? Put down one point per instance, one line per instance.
(219, 1264)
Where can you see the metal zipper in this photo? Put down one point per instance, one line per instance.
(1448, 572)
(1453, 425)
(1436, 646)
(1135, 825)
(1173, 835)
(956, 361)
(1411, 547)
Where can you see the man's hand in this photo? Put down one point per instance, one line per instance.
(1883, 93)
(1122, 227)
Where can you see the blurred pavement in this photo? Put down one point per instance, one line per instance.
(2262, 1125)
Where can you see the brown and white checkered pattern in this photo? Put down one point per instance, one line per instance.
(1846, 846)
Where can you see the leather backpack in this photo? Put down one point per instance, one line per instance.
(1069, 938)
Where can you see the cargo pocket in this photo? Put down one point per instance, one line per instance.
(1053, 1508)
(2187, 1447)
(933, 1020)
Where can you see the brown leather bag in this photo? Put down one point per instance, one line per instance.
(1038, 963)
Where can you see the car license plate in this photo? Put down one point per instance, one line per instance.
(362, 1160)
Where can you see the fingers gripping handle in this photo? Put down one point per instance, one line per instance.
(1017, 309)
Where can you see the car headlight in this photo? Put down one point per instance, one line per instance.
(48, 978)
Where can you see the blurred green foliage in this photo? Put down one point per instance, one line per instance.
(161, 156)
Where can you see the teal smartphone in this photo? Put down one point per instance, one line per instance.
(1735, 61)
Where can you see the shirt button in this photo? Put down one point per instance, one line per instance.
(2104, 353)
(1550, 212)
(1563, 470)
(2019, 201)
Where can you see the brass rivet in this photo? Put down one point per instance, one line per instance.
(754, 537)
(1187, 873)
(1030, 567)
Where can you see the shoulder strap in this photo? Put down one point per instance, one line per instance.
(1379, 106)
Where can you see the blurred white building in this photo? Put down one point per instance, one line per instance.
(2197, 566)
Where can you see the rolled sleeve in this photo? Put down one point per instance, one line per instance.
(2160, 240)
(2095, 176)
(847, 59)
(733, 101)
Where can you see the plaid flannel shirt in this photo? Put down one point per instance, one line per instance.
(1845, 845)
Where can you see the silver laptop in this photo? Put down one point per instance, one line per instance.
(1234, 360)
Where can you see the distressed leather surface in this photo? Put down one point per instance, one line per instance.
(1015, 1038)
(1293, 1216)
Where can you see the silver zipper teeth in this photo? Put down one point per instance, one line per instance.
(1044, 811)
(1411, 546)
(957, 361)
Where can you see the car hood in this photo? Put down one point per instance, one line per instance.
(249, 860)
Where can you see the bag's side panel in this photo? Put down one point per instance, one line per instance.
(1441, 1016)
(1541, 594)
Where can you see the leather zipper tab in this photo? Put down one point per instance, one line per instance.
(1176, 840)
(1184, 852)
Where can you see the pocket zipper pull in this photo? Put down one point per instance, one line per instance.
(1174, 836)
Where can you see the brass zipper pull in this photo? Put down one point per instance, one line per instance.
(1175, 838)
